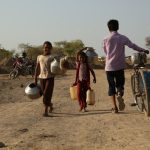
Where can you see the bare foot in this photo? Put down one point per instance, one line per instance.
(46, 112)
(51, 109)
(45, 115)
(80, 109)
(85, 110)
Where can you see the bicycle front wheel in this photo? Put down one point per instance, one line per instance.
(135, 91)
(140, 92)
(13, 74)
(145, 76)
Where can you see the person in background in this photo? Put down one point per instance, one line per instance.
(46, 77)
(18, 62)
(114, 48)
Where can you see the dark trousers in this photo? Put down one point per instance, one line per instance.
(47, 86)
(116, 80)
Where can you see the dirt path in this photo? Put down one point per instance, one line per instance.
(22, 126)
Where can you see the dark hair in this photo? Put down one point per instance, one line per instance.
(113, 25)
(48, 43)
(83, 55)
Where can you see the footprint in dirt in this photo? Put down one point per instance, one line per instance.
(4, 84)
(23, 130)
(44, 136)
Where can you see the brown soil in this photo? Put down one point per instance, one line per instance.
(22, 126)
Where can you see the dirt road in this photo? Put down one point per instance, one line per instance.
(22, 126)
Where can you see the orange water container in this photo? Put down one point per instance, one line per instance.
(73, 92)
(90, 97)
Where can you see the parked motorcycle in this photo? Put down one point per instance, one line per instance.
(23, 70)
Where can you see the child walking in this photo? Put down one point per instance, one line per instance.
(114, 48)
(83, 78)
(46, 77)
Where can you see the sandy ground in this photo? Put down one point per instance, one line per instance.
(22, 126)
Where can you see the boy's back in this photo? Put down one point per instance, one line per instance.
(114, 47)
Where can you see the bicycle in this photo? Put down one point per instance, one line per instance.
(140, 83)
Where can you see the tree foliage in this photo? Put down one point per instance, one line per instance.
(5, 53)
(69, 48)
(59, 48)
(31, 51)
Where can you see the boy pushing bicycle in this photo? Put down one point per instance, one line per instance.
(114, 48)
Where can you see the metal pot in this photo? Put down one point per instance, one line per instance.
(139, 59)
(33, 91)
(92, 56)
(55, 66)
(58, 66)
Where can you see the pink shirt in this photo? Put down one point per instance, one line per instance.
(114, 48)
(83, 71)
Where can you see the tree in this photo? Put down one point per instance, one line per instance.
(5, 53)
(60, 48)
(69, 48)
(24, 47)
(31, 51)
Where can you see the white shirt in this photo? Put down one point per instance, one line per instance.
(45, 66)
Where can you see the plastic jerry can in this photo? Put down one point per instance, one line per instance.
(90, 97)
(73, 92)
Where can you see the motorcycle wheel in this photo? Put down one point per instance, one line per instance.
(13, 74)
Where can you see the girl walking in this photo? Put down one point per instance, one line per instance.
(83, 78)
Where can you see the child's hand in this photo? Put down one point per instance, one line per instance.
(89, 88)
(35, 81)
(146, 51)
(74, 84)
(94, 80)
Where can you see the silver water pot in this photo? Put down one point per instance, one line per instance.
(33, 91)
(139, 58)
(92, 56)
(58, 66)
